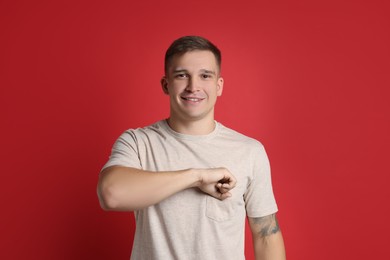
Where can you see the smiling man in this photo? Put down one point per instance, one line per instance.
(190, 180)
(193, 83)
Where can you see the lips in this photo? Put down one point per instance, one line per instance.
(193, 99)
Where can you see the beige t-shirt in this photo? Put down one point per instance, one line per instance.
(190, 224)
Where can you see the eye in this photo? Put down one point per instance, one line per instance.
(206, 76)
(181, 76)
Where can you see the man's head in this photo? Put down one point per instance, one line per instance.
(190, 43)
(192, 79)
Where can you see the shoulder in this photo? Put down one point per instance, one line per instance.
(231, 135)
(149, 129)
(156, 129)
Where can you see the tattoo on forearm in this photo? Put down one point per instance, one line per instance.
(267, 225)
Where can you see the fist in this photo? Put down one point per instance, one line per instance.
(216, 182)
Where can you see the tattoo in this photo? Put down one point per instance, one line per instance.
(266, 226)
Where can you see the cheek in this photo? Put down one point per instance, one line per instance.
(173, 89)
(178, 86)
(213, 90)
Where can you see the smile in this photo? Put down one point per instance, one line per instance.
(192, 99)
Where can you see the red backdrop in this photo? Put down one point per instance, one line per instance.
(310, 79)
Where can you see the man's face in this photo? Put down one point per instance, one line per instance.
(193, 84)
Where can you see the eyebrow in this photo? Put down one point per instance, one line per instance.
(202, 70)
(179, 71)
(208, 71)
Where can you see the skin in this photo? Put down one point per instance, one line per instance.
(267, 238)
(129, 189)
(193, 84)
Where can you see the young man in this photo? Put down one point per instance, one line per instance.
(191, 181)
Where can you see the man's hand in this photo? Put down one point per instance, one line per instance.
(216, 182)
(127, 189)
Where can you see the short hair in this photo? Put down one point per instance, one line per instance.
(190, 43)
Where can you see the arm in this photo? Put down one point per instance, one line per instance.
(127, 189)
(267, 238)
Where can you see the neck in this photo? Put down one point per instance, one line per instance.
(195, 127)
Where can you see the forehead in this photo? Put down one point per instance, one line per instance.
(194, 60)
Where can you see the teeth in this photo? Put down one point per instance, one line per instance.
(193, 99)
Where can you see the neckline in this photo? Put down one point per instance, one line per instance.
(166, 126)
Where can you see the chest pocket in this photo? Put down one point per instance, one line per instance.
(220, 210)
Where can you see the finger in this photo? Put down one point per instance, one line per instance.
(227, 186)
(224, 189)
(225, 179)
(220, 196)
(232, 182)
(224, 196)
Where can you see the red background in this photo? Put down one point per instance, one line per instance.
(310, 79)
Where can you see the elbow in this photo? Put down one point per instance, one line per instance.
(107, 197)
(114, 195)
(113, 198)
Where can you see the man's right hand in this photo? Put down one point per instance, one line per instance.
(216, 182)
(127, 189)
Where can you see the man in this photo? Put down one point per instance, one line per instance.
(191, 181)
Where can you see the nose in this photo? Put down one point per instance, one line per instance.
(192, 85)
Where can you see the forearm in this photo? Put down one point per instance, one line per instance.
(128, 189)
(267, 238)
(270, 248)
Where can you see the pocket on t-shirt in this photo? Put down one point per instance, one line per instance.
(219, 210)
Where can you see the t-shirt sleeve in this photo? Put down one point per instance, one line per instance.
(259, 197)
(125, 152)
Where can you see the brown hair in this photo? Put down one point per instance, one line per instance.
(191, 43)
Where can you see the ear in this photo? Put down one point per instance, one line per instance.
(219, 86)
(164, 85)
